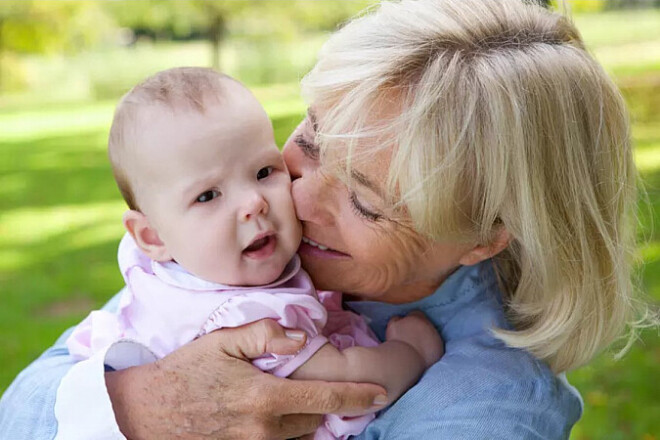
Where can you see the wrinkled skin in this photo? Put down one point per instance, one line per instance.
(207, 390)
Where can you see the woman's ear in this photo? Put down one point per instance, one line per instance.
(145, 236)
(480, 253)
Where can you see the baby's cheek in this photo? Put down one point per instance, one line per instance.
(218, 259)
(288, 211)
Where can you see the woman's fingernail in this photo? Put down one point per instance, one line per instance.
(295, 335)
(380, 400)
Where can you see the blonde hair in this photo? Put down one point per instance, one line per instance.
(188, 88)
(505, 121)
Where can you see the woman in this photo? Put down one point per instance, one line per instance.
(465, 158)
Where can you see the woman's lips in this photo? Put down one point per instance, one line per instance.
(312, 248)
(261, 247)
(313, 243)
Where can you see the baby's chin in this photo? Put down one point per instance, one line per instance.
(265, 276)
(260, 276)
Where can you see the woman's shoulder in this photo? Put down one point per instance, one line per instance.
(486, 366)
(484, 392)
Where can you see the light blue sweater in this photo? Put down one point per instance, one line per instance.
(480, 389)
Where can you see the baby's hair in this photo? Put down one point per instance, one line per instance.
(179, 88)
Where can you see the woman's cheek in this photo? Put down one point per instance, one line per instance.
(370, 242)
(400, 251)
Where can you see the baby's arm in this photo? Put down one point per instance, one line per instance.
(412, 345)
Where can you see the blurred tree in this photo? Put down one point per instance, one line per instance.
(601, 5)
(166, 19)
(325, 15)
(217, 15)
(215, 20)
(42, 26)
(158, 19)
(631, 4)
(578, 6)
(39, 26)
(263, 20)
(264, 31)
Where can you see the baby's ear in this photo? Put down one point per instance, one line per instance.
(145, 236)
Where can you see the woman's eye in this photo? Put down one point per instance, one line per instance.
(264, 172)
(361, 210)
(207, 196)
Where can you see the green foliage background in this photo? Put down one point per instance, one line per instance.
(64, 64)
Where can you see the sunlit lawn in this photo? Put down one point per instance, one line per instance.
(60, 224)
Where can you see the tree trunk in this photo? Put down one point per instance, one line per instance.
(2, 54)
(216, 34)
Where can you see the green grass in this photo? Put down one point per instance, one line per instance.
(60, 214)
(617, 28)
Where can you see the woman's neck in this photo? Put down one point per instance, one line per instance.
(406, 293)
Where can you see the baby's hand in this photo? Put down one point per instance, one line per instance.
(418, 332)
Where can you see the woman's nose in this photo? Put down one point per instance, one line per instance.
(297, 161)
(313, 196)
(254, 204)
(313, 199)
(294, 158)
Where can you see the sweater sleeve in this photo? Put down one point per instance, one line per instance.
(28, 407)
(83, 408)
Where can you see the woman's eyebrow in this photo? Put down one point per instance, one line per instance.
(312, 118)
(356, 175)
(364, 181)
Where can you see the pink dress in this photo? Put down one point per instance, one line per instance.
(165, 307)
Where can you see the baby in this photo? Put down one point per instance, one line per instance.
(211, 242)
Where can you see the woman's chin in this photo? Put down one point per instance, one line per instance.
(327, 274)
(340, 275)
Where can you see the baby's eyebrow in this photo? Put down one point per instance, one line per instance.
(194, 186)
(275, 156)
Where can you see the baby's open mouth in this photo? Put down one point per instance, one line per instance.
(258, 244)
(261, 247)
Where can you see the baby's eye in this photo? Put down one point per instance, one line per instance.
(207, 196)
(264, 172)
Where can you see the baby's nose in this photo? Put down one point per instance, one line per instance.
(255, 204)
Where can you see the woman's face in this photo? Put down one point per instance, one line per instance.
(351, 241)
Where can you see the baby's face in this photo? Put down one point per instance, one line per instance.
(217, 191)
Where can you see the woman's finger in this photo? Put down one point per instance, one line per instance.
(253, 340)
(318, 397)
(297, 425)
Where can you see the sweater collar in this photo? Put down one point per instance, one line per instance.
(467, 286)
(174, 274)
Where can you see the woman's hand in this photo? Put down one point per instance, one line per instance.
(207, 389)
